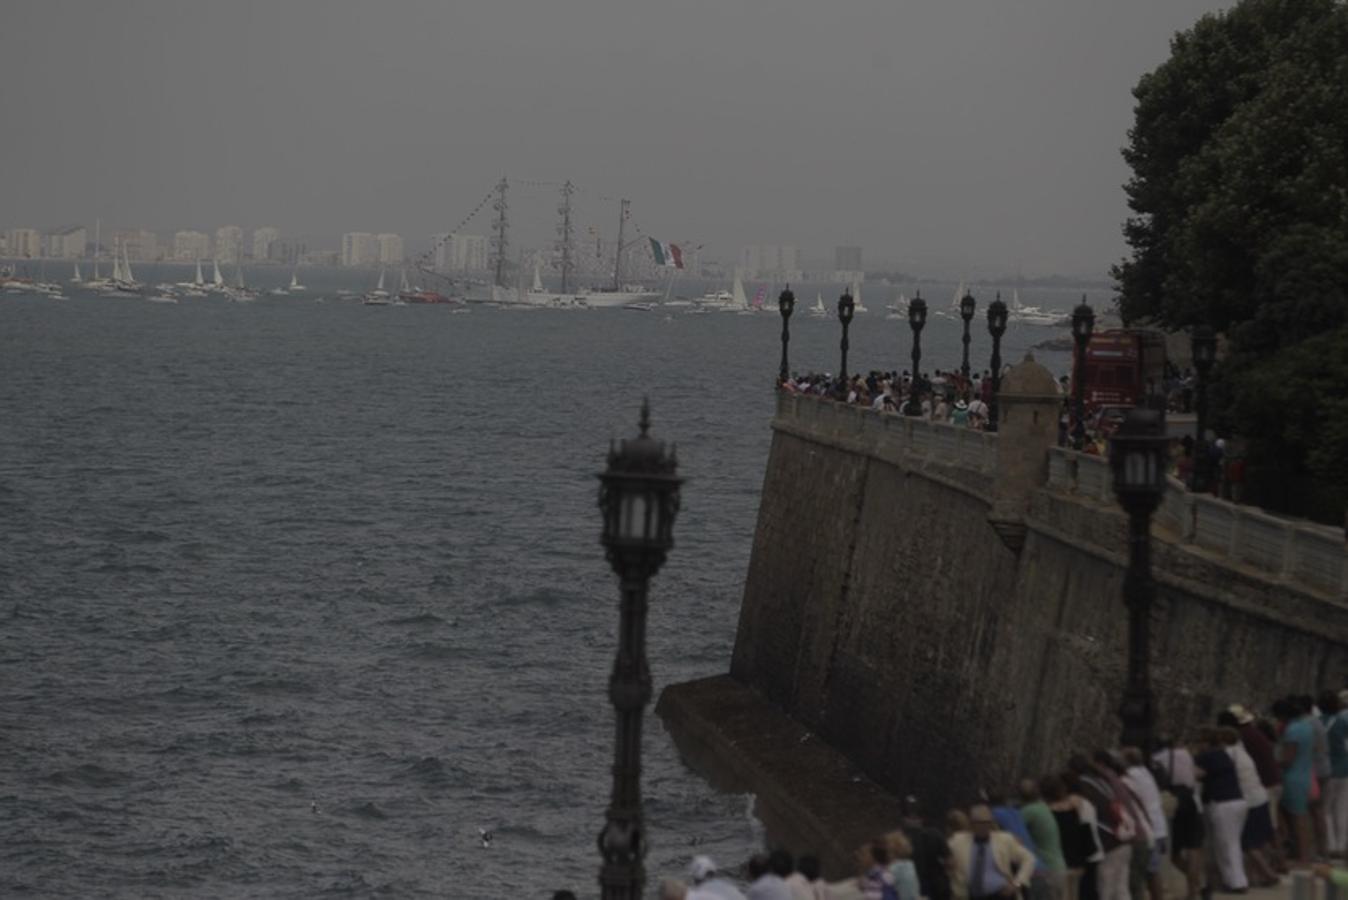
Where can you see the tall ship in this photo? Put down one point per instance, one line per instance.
(615, 293)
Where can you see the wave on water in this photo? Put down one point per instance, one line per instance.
(88, 775)
(366, 810)
(127, 569)
(424, 620)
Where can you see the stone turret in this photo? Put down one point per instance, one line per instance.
(1028, 404)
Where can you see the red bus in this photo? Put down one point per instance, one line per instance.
(1122, 367)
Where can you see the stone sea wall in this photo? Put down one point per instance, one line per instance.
(887, 616)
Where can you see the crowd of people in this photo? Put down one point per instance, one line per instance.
(950, 398)
(947, 396)
(1235, 804)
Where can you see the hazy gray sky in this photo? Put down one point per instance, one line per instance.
(956, 134)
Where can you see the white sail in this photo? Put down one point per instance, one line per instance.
(198, 281)
(819, 302)
(403, 287)
(380, 285)
(1015, 300)
(117, 273)
(238, 276)
(126, 265)
(538, 279)
(98, 245)
(294, 280)
(737, 293)
(77, 279)
(216, 278)
(857, 305)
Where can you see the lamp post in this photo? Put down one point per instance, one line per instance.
(968, 306)
(1137, 456)
(639, 498)
(845, 311)
(1083, 323)
(786, 304)
(996, 328)
(917, 318)
(1204, 348)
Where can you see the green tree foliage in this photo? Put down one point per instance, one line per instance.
(1239, 153)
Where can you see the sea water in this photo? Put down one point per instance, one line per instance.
(296, 597)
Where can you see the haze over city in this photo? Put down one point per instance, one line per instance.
(968, 136)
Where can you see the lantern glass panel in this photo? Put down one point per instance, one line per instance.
(634, 521)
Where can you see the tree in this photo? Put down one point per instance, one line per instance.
(1239, 193)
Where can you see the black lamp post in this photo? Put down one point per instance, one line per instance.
(917, 318)
(968, 306)
(1204, 348)
(845, 311)
(1083, 323)
(996, 328)
(639, 498)
(1137, 456)
(786, 304)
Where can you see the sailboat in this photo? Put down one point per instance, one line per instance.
(857, 305)
(76, 279)
(738, 302)
(295, 286)
(378, 296)
(819, 311)
(240, 293)
(217, 280)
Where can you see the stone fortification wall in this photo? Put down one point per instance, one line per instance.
(948, 612)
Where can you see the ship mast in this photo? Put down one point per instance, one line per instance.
(498, 239)
(618, 251)
(564, 230)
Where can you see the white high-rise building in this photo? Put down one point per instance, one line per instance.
(189, 246)
(137, 244)
(460, 252)
(359, 248)
(228, 243)
(263, 238)
(390, 248)
(67, 242)
(775, 261)
(23, 243)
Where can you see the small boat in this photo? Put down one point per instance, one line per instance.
(639, 307)
(378, 296)
(819, 311)
(295, 286)
(162, 298)
(857, 305)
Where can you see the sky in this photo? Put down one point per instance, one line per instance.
(943, 136)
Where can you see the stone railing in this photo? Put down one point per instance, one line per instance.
(889, 433)
(1285, 549)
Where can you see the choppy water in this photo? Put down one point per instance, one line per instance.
(295, 597)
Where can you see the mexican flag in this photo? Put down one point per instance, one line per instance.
(667, 254)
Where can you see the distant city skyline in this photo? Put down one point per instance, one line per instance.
(939, 135)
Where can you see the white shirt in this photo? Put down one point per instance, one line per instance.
(1086, 812)
(801, 889)
(1248, 774)
(1180, 766)
(768, 887)
(1144, 786)
(714, 889)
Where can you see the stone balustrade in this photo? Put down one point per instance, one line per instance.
(1284, 549)
(887, 434)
